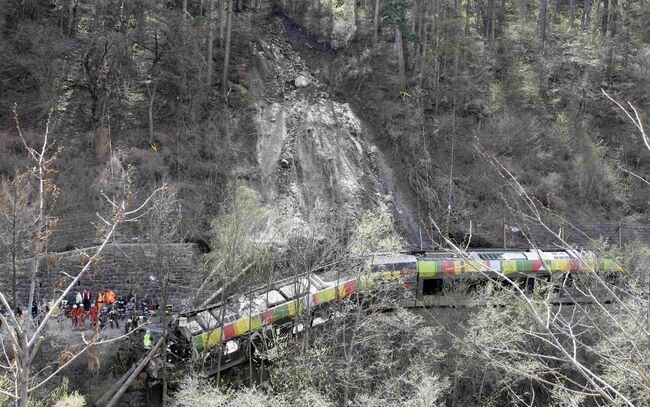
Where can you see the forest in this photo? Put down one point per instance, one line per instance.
(283, 137)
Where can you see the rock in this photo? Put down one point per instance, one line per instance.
(301, 81)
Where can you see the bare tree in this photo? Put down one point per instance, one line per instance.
(16, 216)
(226, 58)
(375, 23)
(43, 173)
(542, 20)
(25, 340)
(162, 225)
(210, 44)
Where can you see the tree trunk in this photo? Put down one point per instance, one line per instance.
(421, 19)
(152, 97)
(103, 400)
(163, 322)
(613, 20)
(375, 24)
(542, 20)
(612, 33)
(39, 244)
(14, 247)
(468, 9)
(210, 46)
(572, 12)
(184, 8)
(586, 12)
(626, 34)
(226, 59)
(23, 372)
(425, 44)
(400, 58)
(356, 19)
(349, 355)
(71, 12)
(222, 316)
(493, 18)
(136, 372)
(605, 20)
(488, 15)
(330, 21)
(457, 33)
(221, 5)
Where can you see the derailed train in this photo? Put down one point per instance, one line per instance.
(423, 280)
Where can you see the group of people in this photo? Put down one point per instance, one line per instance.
(85, 306)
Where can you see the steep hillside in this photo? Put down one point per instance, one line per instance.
(315, 117)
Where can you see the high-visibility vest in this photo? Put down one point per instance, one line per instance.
(100, 297)
(110, 297)
(147, 341)
(78, 298)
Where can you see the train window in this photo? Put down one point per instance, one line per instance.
(381, 268)
(432, 286)
(490, 256)
(405, 266)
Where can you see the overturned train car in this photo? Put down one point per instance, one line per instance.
(424, 280)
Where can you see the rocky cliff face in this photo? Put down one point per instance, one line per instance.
(312, 157)
(314, 153)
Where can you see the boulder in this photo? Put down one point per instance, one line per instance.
(301, 81)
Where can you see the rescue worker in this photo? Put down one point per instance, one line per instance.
(103, 318)
(34, 309)
(94, 315)
(81, 318)
(109, 297)
(73, 316)
(131, 324)
(86, 300)
(100, 300)
(130, 308)
(78, 299)
(112, 317)
(147, 340)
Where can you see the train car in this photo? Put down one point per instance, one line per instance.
(223, 332)
(450, 280)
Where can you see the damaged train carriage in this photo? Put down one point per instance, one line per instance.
(424, 280)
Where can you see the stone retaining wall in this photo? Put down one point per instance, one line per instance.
(122, 267)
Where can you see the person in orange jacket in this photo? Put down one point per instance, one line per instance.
(100, 301)
(109, 297)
